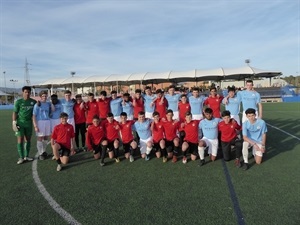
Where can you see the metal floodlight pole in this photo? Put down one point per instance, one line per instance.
(72, 74)
(14, 83)
(4, 77)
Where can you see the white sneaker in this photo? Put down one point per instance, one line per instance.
(58, 168)
(53, 157)
(28, 159)
(131, 158)
(184, 160)
(20, 161)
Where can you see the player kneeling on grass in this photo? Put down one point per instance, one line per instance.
(96, 140)
(159, 143)
(229, 128)
(254, 134)
(142, 127)
(209, 129)
(129, 144)
(63, 141)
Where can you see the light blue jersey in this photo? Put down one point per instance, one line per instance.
(173, 101)
(209, 128)
(67, 107)
(143, 129)
(42, 112)
(233, 105)
(249, 99)
(147, 103)
(255, 131)
(115, 106)
(196, 104)
(128, 108)
(58, 110)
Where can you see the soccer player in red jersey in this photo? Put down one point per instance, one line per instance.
(214, 102)
(228, 128)
(96, 140)
(92, 109)
(63, 141)
(112, 134)
(157, 130)
(184, 107)
(138, 103)
(161, 103)
(129, 144)
(190, 142)
(103, 105)
(171, 130)
(79, 117)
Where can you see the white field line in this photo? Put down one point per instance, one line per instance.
(283, 131)
(63, 213)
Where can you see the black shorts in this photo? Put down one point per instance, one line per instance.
(156, 147)
(97, 148)
(126, 146)
(110, 145)
(169, 146)
(63, 151)
(193, 148)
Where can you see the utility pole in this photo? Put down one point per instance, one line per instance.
(4, 77)
(26, 74)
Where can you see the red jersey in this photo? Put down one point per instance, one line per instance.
(157, 131)
(95, 134)
(91, 110)
(138, 107)
(228, 131)
(215, 104)
(103, 107)
(191, 130)
(161, 107)
(183, 108)
(126, 131)
(171, 129)
(111, 129)
(79, 114)
(62, 134)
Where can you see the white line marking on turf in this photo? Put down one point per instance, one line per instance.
(63, 213)
(284, 131)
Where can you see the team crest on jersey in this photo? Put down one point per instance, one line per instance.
(68, 129)
(193, 124)
(258, 127)
(187, 107)
(214, 123)
(31, 103)
(127, 125)
(159, 126)
(231, 126)
(217, 100)
(253, 94)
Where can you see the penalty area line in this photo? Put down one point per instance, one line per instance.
(57, 208)
(283, 131)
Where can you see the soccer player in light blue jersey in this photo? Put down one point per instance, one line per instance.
(232, 103)
(149, 102)
(67, 107)
(254, 134)
(143, 128)
(173, 101)
(250, 99)
(41, 123)
(116, 105)
(196, 101)
(55, 115)
(127, 106)
(209, 130)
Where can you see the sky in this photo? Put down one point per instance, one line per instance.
(103, 37)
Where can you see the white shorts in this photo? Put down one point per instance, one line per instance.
(197, 117)
(212, 145)
(54, 122)
(244, 119)
(176, 115)
(254, 149)
(237, 119)
(149, 115)
(143, 145)
(72, 122)
(44, 128)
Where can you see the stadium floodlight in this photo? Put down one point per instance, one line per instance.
(72, 74)
(14, 83)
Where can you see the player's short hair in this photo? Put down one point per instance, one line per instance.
(110, 114)
(250, 111)
(213, 88)
(123, 114)
(183, 95)
(155, 113)
(67, 92)
(249, 81)
(208, 110)
(28, 88)
(103, 93)
(91, 94)
(159, 91)
(195, 89)
(225, 113)
(113, 92)
(141, 113)
(43, 93)
(138, 91)
(126, 95)
(169, 111)
(172, 86)
(231, 89)
(147, 87)
(63, 115)
(188, 113)
(78, 96)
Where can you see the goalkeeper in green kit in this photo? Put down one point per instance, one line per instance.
(22, 124)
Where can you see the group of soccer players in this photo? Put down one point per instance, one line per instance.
(166, 124)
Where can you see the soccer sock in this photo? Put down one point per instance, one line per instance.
(27, 148)
(148, 150)
(103, 153)
(201, 152)
(116, 152)
(184, 153)
(39, 146)
(245, 151)
(176, 150)
(164, 152)
(20, 148)
(44, 145)
(131, 151)
(58, 161)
